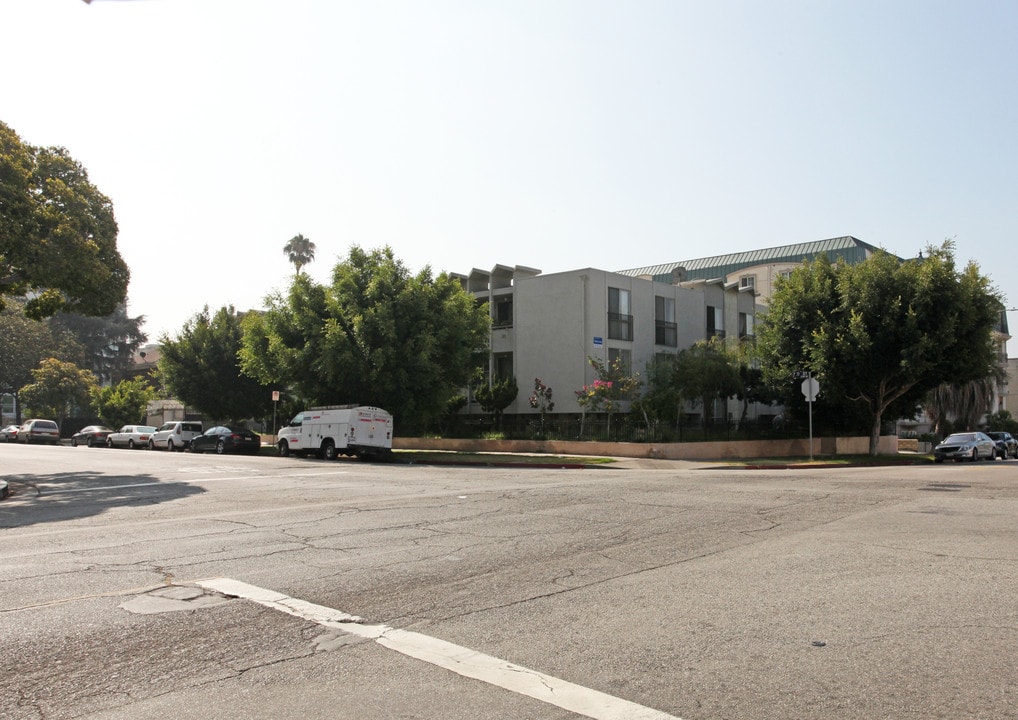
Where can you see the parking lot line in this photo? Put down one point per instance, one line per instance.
(456, 658)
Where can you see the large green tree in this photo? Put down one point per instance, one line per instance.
(705, 372)
(880, 334)
(108, 343)
(59, 390)
(201, 367)
(378, 335)
(58, 235)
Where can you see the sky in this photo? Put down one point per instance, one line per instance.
(555, 134)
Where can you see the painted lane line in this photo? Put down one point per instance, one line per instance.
(456, 658)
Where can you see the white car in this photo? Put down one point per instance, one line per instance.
(174, 435)
(130, 436)
(39, 431)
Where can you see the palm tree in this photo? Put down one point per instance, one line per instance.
(300, 250)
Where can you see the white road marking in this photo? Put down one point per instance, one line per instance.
(456, 658)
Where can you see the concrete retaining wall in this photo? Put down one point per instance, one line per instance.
(665, 451)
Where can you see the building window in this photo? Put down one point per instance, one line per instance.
(747, 281)
(623, 357)
(620, 321)
(503, 315)
(666, 331)
(745, 325)
(715, 322)
(503, 366)
(785, 274)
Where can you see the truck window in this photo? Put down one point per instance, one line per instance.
(297, 420)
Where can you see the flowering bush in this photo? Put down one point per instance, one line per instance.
(540, 399)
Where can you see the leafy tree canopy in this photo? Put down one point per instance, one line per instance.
(880, 334)
(107, 343)
(496, 396)
(200, 366)
(58, 235)
(705, 372)
(378, 335)
(60, 390)
(124, 403)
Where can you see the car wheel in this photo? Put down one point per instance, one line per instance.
(151, 445)
(220, 447)
(169, 446)
(329, 450)
(109, 442)
(1003, 454)
(284, 448)
(89, 443)
(975, 454)
(74, 443)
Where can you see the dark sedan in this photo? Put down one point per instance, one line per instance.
(221, 439)
(965, 446)
(91, 435)
(1007, 446)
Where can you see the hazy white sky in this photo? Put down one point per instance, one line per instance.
(552, 134)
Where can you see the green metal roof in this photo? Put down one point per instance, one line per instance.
(851, 249)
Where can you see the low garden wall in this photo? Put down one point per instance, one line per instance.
(736, 449)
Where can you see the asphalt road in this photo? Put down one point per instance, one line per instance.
(138, 584)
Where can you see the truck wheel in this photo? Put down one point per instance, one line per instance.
(284, 448)
(329, 450)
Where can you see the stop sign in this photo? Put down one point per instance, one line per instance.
(810, 388)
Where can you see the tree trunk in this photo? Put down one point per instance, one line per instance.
(875, 433)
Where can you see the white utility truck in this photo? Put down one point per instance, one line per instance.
(338, 430)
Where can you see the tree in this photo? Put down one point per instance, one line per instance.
(122, 404)
(496, 396)
(300, 251)
(610, 389)
(707, 371)
(377, 335)
(880, 334)
(960, 404)
(108, 343)
(60, 389)
(58, 235)
(201, 367)
(540, 399)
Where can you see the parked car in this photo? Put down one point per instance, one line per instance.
(965, 446)
(1007, 446)
(39, 431)
(223, 439)
(174, 435)
(9, 434)
(91, 435)
(130, 436)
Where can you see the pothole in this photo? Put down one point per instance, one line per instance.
(175, 598)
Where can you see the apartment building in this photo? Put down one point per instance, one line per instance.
(547, 326)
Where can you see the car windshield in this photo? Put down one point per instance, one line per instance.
(962, 438)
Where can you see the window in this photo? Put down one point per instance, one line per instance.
(715, 322)
(665, 328)
(503, 365)
(620, 321)
(785, 274)
(747, 281)
(745, 325)
(503, 316)
(623, 357)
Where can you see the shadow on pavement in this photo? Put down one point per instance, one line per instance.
(37, 499)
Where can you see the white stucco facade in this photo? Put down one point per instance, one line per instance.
(557, 321)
